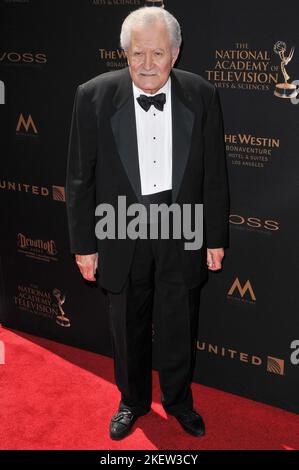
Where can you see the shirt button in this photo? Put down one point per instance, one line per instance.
(154, 138)
(155, 185)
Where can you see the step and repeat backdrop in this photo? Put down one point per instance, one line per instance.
(248, 337)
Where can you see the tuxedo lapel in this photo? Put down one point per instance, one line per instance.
(123, 123)
(182, 126)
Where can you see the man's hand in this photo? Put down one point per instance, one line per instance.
(214, 258)
(88, 265)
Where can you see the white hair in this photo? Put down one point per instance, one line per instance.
(147, 15)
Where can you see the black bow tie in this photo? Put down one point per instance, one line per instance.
(157, 100)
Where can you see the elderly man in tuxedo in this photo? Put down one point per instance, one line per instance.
(154, 134)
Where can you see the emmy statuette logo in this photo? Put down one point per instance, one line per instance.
(61, 318)
(284, 90)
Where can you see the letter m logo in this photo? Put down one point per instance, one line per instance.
(242, 290)
(26, 124)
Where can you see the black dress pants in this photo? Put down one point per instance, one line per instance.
(155, 276)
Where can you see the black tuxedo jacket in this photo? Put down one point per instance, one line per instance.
(103, 164)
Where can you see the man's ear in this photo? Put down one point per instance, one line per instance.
(175, 56)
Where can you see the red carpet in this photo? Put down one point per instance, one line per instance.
(58, 397)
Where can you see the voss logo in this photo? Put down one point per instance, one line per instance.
(25, 57)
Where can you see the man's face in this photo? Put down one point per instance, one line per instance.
(150, 56)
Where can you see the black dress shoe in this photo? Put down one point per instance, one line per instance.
(191, 422)
(121, 423)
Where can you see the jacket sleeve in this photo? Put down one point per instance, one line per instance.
(216, 193)
(80, 176)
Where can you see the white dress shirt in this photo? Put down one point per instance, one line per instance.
(154, 138)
